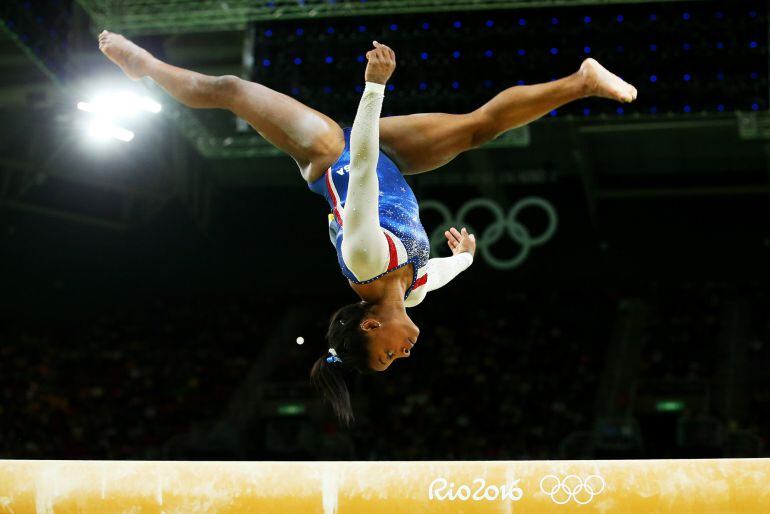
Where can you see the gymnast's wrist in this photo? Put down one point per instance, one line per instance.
(375, 87)
(466, 257)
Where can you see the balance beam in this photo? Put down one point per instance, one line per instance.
(739, 486)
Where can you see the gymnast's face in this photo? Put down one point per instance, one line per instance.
(390, 338)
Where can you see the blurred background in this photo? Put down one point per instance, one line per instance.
(158, 264)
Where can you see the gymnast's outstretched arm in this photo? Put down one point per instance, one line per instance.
(364, 247)
(442, 270)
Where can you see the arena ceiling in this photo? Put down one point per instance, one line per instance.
(609, 155)
(151, 17)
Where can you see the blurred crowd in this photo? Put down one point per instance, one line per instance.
(757, 379)
(116, 385)
(504, 378)
(509, 380)
(485, 381)
(705, 350)
(683, 332)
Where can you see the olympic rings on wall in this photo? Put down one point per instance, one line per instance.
(503, 224)
(572, 487)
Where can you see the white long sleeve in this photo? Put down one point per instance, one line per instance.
(364, 247)
(439, 272)
(442, 270)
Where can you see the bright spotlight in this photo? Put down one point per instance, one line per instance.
(121, 104)
(108, 111)
(85, 106)
(121, 134)
(96, 129)
(101, 129)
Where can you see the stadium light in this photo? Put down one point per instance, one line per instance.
(107, 112)
(101, 129)
(121, 104)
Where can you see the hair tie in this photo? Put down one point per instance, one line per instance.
(332, 358)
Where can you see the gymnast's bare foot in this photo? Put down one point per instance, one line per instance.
(131, 58)
(600, 82)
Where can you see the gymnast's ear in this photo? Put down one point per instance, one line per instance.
(369, 324)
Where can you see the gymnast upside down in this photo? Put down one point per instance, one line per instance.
(382, 247)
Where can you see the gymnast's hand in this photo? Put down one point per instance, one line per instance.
(382, 62)
(460, 241)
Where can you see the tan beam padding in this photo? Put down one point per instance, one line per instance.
(724, 486)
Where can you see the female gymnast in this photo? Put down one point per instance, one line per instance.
(382, 247)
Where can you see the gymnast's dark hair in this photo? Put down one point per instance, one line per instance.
(350, 343)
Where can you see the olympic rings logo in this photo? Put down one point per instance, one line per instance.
(572, 487)
(503, 223)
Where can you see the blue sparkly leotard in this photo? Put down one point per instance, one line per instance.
(398, 211)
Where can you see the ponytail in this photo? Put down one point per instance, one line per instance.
(349, 343)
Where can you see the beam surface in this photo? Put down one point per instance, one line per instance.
(534, 487)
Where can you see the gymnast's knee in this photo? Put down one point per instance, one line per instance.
(223, 89)
(322, 151)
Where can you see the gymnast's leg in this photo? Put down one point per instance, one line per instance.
(423, 142)
(314, 140)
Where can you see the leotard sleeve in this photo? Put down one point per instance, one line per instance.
(440, 271)
(364, 247)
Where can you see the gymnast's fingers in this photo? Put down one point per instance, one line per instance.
(390, 51)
